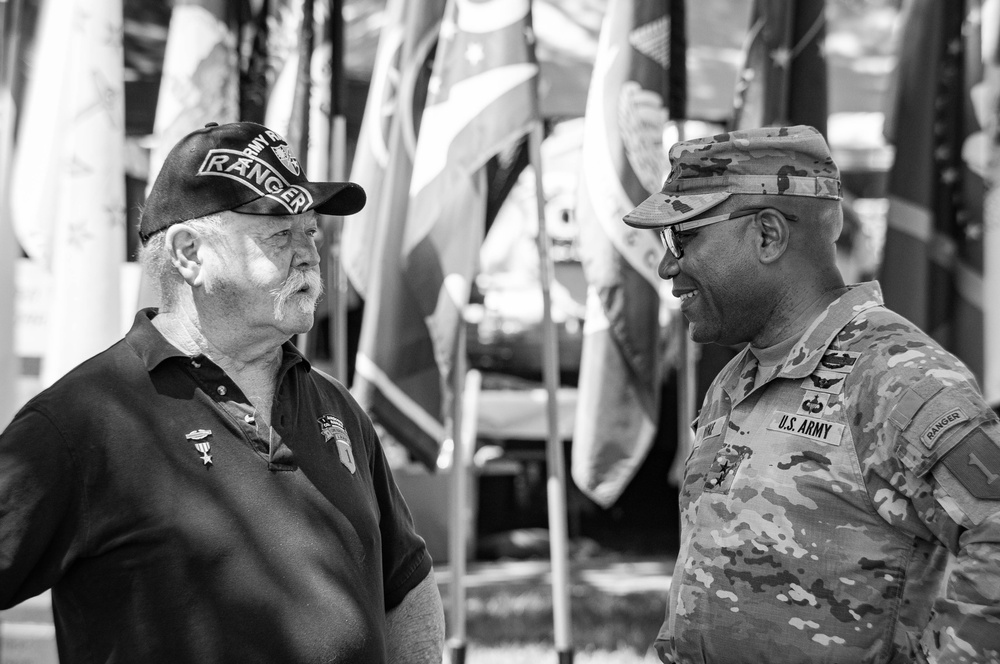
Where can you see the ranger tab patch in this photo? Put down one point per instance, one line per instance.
(950, 419)
(812, 428)
(975, 462)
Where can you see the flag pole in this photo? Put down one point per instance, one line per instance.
(337, 279)
(464, 421)
(556, 484)
(9, 9)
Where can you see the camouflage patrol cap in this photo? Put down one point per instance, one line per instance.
(791, 161)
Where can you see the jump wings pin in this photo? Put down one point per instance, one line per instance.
(204, 446)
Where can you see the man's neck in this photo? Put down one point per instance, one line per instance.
(799, 317)
(255, 363)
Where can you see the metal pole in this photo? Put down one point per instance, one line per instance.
(464, 422)
(556, 485)
(9, 23)
(337, 279)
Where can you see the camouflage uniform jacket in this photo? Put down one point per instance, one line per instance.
(819, 510)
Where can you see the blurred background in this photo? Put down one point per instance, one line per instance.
(94, 92)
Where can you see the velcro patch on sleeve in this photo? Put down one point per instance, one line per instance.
(975, 462)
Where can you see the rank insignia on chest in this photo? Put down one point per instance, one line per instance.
(201, 443)
(333, 429)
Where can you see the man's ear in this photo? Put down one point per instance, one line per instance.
(772, 234)
(184, 244)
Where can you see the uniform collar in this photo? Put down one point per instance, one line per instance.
(152, 348)
(804, 357)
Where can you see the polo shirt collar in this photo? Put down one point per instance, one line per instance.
(153, 348)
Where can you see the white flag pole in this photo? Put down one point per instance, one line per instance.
(465, 416)
(9, 19)
(556, 485)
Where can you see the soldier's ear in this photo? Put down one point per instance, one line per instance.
(772, 229)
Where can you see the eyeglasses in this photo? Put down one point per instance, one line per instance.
(670, 235)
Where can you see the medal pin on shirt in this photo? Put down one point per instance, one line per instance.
(199, 437)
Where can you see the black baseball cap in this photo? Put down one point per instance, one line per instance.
(244, 167)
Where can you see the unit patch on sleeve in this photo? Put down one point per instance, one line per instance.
(975, 462)
(940, 425)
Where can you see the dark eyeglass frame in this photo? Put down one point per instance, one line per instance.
(672, 243)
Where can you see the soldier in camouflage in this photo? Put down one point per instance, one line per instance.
(842, 499)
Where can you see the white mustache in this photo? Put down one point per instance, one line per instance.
(292, 285)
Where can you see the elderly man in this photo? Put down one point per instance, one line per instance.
(841, 502)
(197, 492)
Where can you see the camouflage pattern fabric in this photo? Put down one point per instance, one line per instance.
(846, 509)
(791, 161)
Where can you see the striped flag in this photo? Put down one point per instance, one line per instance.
(481, 98)
(623, 161)
(395, 95)
(932, 269)
(68, 184)
(406, 400)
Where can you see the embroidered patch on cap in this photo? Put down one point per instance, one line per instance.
(950, 419)
(259, 176)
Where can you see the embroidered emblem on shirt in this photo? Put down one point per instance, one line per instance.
(825, 381)
(720, 476)
(975, 462)
(204, 447)
(713, 428)
(841, 361)
(813, 403)
(812, 428)
(940, 425)
(333, 429)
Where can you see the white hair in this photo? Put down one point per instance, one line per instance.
(156, 261)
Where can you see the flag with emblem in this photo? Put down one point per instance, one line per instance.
(68, 184)
(932, 269)
(401, 394)
(481, 99)
(387, 138)
(633, 89)
(200, 80)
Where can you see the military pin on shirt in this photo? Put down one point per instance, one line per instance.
(199, 437)
(333, 429)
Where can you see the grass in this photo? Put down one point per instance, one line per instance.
(513, 624)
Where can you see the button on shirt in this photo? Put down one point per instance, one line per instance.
(819, 509)
(172, 526)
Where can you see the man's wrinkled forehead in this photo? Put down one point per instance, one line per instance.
(264, 223)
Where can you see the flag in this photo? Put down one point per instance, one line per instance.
(68, 184)
(932, 268)
(199, 84)
(481, 99)
(784, 78)
(989, 156)
(395, 97)
(624, 160)
(200, 79)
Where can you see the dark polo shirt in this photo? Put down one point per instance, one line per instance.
(172, 526)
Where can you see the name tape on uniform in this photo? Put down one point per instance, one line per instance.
(813, 428)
